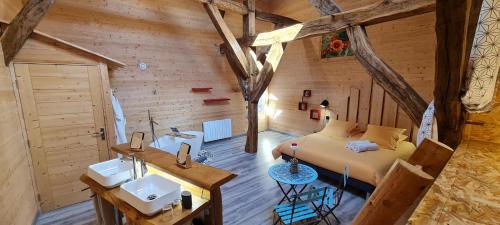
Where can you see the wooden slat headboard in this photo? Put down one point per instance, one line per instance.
(383, 111)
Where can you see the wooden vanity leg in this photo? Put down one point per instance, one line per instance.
(104, 211)
(97, 207)
(216, 209)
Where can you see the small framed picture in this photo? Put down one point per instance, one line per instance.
(136, 140)
(307, 93)
(315, 114)
(303, 106)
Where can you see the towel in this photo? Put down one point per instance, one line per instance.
(361, 146)
(120, 121)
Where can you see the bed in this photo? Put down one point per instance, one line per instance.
(326, 152)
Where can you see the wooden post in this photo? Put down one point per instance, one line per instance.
(21, 27)
(216, 209)
(253, 129)
(455, 29)
(401, 186)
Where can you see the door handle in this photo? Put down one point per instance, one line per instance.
(101, 134)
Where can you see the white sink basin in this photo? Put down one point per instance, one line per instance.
(150, 194)
(111, 173)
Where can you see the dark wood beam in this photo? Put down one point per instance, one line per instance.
(249, 19)
(392, 82)
(21, 27)
(253, 77)
(266, 73)
(326, 7)
(383, 11)
(234, 49)
(276, 19)
(456, 23)
(227, 5)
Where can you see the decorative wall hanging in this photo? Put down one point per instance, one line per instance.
(335, 45)
(484, 60)
(315, 114)
(303, 106)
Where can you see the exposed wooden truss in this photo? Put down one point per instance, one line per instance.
(392, 82)
(21, 27)
(243, 9)
(273, 18)
(383, 11)
(455, 28)
(253, 76)
(326, 7)
(254, 73)
(406, 97)
(228, 5)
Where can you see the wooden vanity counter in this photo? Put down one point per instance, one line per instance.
(200, 175)
(178, 216)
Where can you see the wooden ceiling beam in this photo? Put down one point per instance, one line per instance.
(274, 18)
(383, 11)
(326, 7)
(456, 23)
(242, 9)
(21, 27)
(390, 80)
(227, 5)
(249, 31)
(266, 73)
(233, 46)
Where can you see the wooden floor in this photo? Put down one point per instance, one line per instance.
(247, 199)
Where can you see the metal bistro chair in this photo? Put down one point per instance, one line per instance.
(333, 198)
(300, 210)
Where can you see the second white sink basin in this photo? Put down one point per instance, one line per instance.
(150, 194)
(111, 173)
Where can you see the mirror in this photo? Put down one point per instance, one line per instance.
(183, 153)
(136, 140)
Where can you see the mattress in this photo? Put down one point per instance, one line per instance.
(330, 153)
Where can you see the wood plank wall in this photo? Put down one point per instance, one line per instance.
(178, 43)
(17, 195)
(407, 45)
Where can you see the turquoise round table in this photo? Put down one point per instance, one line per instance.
(281, 174)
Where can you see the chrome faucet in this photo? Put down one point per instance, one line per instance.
(143, 167)
(134, 163)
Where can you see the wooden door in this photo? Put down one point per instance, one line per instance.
(64, 117)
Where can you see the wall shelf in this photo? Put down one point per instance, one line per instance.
(215, 100)
(203, 89)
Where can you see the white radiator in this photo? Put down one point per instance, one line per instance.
(217, 129)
